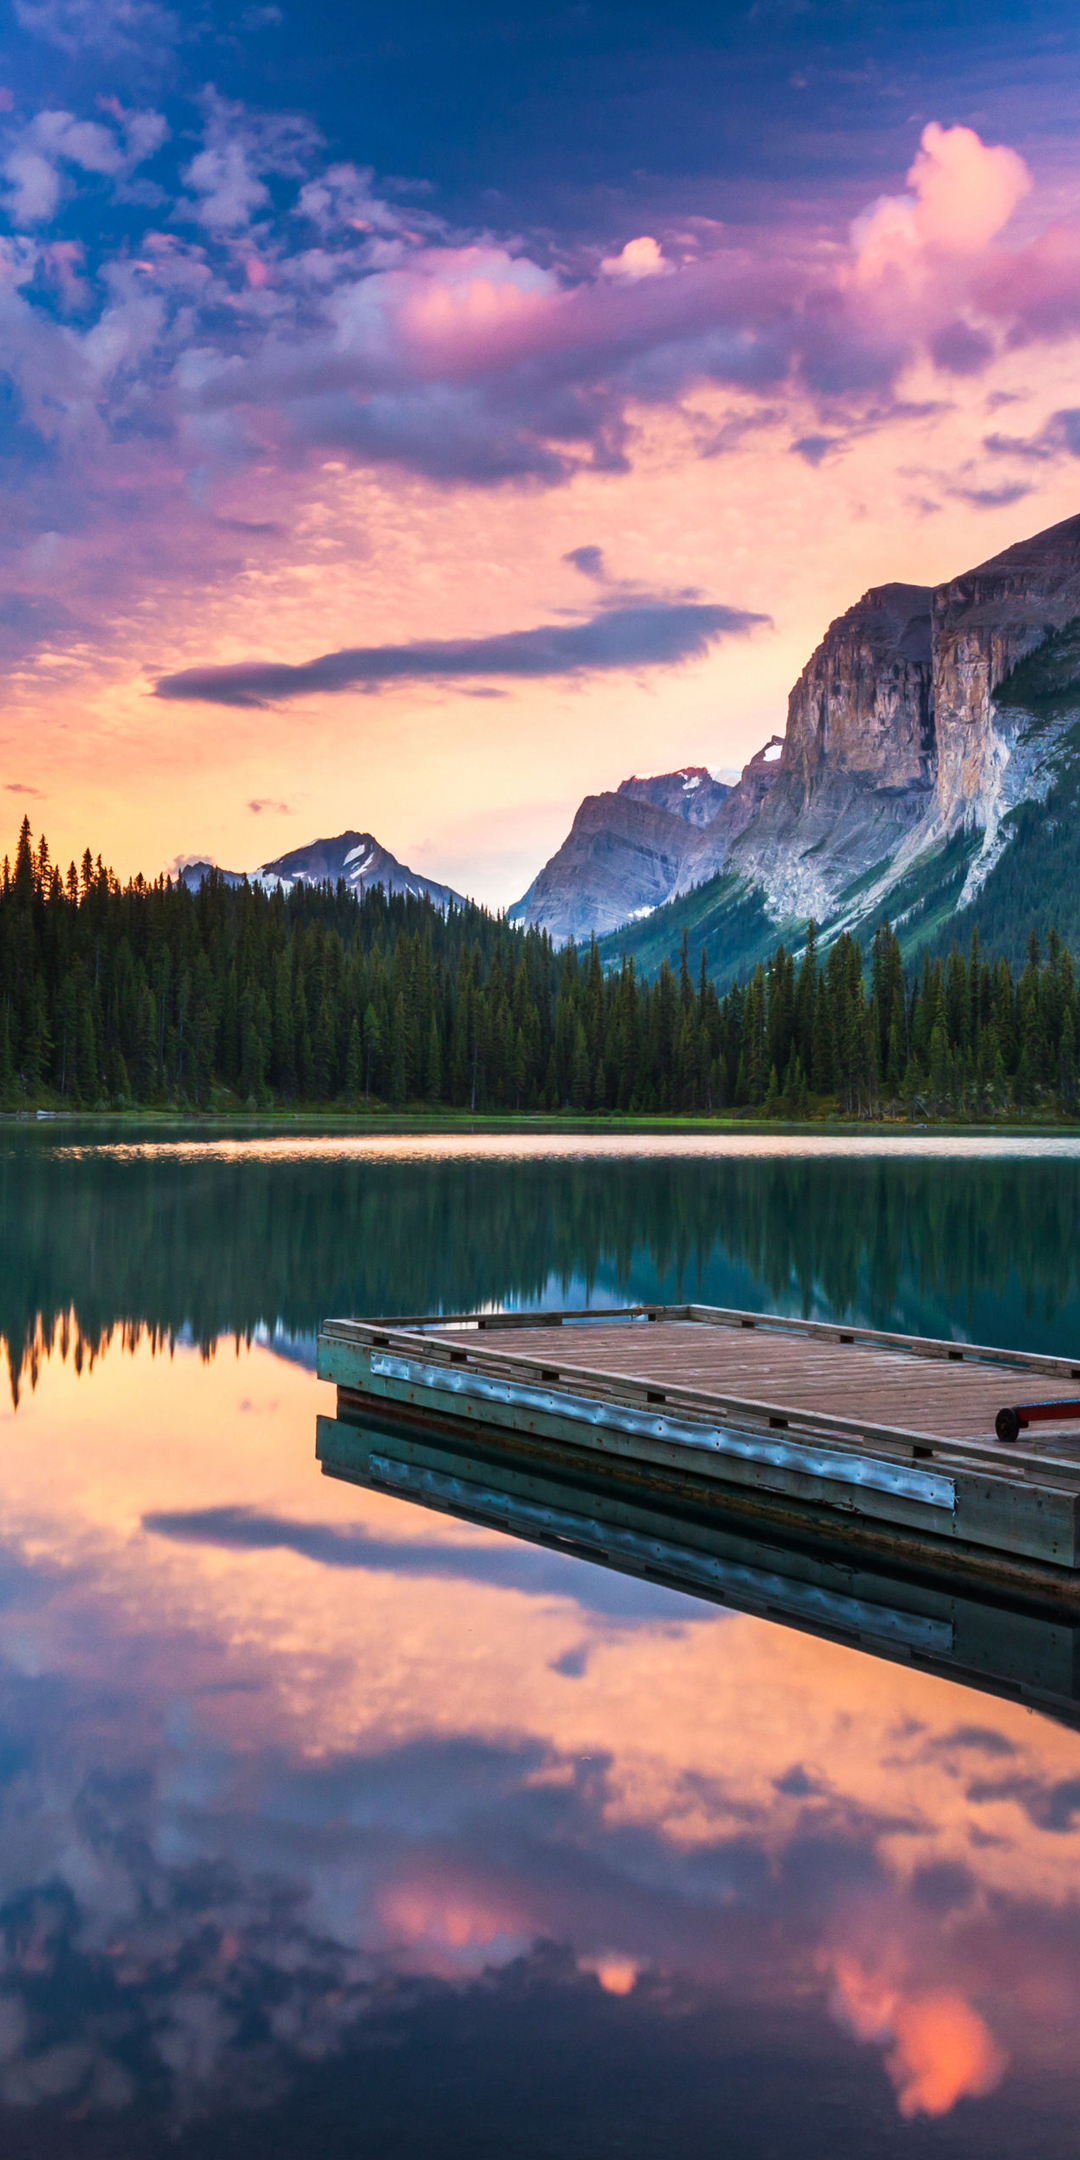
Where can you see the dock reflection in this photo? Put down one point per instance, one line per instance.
(1011, 1647)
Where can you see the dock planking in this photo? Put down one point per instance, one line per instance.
(852, 1433)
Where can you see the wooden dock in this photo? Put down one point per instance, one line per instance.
(849, 1436)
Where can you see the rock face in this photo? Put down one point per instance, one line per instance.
(985, 623)
(628, 852)
(857, 772)
(836, 796)
(620, 859)
(709, 853)
(357, 857)
(690, 793)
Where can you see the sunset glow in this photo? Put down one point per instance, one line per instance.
(267, 405)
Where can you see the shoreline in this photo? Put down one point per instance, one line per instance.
(495, 1122)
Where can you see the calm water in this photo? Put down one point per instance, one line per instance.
(330, 1825)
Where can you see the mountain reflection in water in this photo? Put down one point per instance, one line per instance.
(330, 1823)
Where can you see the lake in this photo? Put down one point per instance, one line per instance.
(331, 1825)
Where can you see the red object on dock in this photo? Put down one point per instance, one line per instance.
(1009, 1423)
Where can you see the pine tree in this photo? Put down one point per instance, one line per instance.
(373, 1050)
(399, 1068)
(144, 1063)
(1067, 1065)
(150, 990)
(354, 1062)
(434, 1063)
(24, 864)
(7, 1062)
(37, 1041)
(324, 1050)
(579, 1069)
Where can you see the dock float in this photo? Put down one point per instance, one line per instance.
(883, 1444)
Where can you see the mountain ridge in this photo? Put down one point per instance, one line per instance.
(692, 792)
(930, 757)
(357, 858)
(627, 852)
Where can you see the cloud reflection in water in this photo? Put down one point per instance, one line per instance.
(285, 1778)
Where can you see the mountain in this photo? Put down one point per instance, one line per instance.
(856, 775)
(193, 873)
(630, 850)
(620, 859)
(706, 851)
(930, 771)
(357, 857)
(691, 793)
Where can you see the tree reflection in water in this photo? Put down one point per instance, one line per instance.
(167, 1242)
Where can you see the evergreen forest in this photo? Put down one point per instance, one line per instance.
(113, 996)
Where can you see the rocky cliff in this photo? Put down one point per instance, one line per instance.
(857, 771)
(691, 793)
(620, 859)
(985, 623)
(707, 853)
(835, 796)
(630, 850)
(993, 752)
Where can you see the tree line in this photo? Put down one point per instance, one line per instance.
(151, 994)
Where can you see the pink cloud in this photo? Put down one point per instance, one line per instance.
(390, 343)
(454, 327)
(640, 258)
(456, 303)
(964, 192)
(1035, 289)
(938, 2049)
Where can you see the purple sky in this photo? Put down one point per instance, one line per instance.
(419, 430)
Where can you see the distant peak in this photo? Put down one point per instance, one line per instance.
(690, 775)
(357, 858)
(691, 792)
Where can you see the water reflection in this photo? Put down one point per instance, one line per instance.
(1027, 1647)
(264, 1811)
(202, 1239)
(330, 1821)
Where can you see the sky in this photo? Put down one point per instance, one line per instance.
(416, 423)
